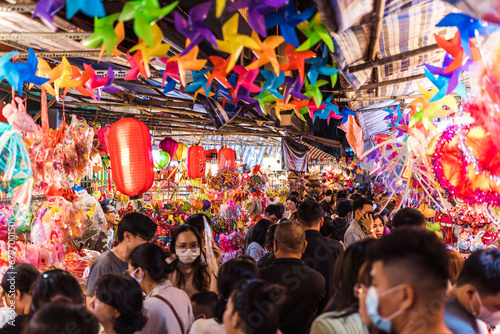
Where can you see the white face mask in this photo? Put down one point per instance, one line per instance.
(490, 318)
(139, 280)
(372, 302)
(188, 255)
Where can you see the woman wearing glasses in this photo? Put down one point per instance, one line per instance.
(191, 273)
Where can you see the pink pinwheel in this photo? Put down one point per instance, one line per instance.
(313, 108)
(171, 70)
(256, 11)
(246, 79)
(136, 63)
(194, 26)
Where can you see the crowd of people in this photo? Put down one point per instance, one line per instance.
(335, 265)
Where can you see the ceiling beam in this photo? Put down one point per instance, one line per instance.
(19, 36)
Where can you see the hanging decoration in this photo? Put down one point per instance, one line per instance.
(226, 158)
(196, 162)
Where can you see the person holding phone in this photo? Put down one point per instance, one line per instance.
(362, 226)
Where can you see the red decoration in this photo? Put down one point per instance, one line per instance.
(169, 146)
(227, 158)
(196, 162)
(131, 156)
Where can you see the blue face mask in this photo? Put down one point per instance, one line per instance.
(372, 301)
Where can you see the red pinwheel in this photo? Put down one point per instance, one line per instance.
(219, 71)
(136, 63)
(296, 60)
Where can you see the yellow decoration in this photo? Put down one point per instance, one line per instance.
(158, 50)
(434, 109)
(233, 42)
(219, 7)
(181, 152)
(281, 104)
(65, 79)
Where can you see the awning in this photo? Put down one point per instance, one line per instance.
(315, 153)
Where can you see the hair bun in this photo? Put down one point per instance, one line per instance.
(171, 258)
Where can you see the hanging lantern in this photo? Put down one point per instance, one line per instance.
(131, 156)
(181, 152)
(163, 160)
(169, 146)
(102, 135)
(196, 162)
(227, 158)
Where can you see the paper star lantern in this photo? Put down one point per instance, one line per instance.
(434, 109)
(320, 66)
(188, 62)
(219, 71)
(246, 79)
(194, 26)
(267, 53)
(136, 63)
(315, 32)
(145, 13)
(19, 73)
(233, 42)
(295, 60)
(104, 34)
(287, 19)
(45, 11)
(92, 8)
(468, 28)
(272, 83)
(313, 92)
(256, 11)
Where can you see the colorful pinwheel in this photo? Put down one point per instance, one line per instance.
(256, 11)
(288, 18)
(188, 62)
(199, 84)
(194, 26)
(300, 108)
(92, 8)
(320, 66)
(104, 34)
(219, 71)
(171, 70)
(19, 73)
(293, 87)
(158, 49)
(345, 115)
(315, 32)
(266, 54)
(313, 92)
(45, 11)
(136, 63)
(145, 13)
(246, 79)
(295, 60)
(434, 109)
(272, 83)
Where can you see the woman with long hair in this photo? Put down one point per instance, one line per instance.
(168, 308)
(257, 242)
(191, 273)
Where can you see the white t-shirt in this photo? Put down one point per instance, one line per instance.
(207, 326)
(161, 318)
(4, 316)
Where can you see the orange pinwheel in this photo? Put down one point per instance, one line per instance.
(45, 71)
(266, 54)
(158, 50)
(83, 77)
(219, 72)
(188, 62)
(296, 60)
(281, 104)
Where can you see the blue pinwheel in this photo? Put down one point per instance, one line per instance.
(169, 86)
(468, 27)
(272, 83)
(256, 11)
(223, 91)
(194, 26)
(92, 8)
(288, 18)
(447, 82)
(4, 62)
(345, 115)
(293, 87)
(19, 73)
(330, 111)
(200, 80)
(320, 66)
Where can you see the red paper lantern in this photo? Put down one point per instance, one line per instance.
(227, 158)
(169, 146)
(131, 156)
(196, 162)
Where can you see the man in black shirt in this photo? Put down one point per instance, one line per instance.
(305, 288)
(321, 253)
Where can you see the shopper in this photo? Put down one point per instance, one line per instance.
(230, 274)
(273, 213)
(252, 308)
(198, 221)
(341, 222)
(191, 273)
(17, 286)
(320, 253)
(476, 296)
(291, 204)
(269, 257)
(362, 225)
(133, 230)
(409, 280)
(346, 274)
(304, 287)
(204, 304)
(168, 308)
(257, 241)
(59, 317)
(118, 305)
(378, 226)
(409, 217)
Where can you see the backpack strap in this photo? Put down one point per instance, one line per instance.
(173, 310)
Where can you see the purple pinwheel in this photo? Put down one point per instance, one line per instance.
(108, 86)
(46, 9)
(194, 26)
(293, 87)
(320, 66)
(244, 95)
(256, 11)
(447, 82)
(288, 18)
(467, 26)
